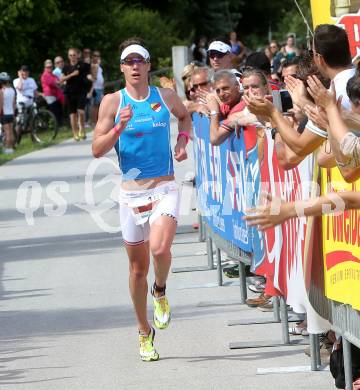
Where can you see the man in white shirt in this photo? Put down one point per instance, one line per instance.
(59, 65)
(333, 59)
(25, 86)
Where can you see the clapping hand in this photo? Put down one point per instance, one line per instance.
(296, 89)
(259, 106)
(317, 115)
(320, 94)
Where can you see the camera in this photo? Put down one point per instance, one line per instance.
(282, 100)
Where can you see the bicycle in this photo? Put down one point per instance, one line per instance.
(38, 121)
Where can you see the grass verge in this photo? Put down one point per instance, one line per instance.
(28, 146)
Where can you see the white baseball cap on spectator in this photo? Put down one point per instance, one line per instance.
(4, 76)
(220, 47)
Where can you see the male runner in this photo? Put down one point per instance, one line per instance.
(149, 196)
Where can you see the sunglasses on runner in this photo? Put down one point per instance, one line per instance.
(133, 61)
(217, 54)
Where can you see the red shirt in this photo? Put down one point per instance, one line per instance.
(250, 134)
(274, 85)
(50, 86)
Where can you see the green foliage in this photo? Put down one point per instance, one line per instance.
(293, 22)
(33, 30)
(23, 30)
(158, 33)
(278, 16)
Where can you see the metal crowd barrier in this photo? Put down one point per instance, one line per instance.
(343, 318)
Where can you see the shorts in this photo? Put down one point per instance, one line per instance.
(76, 102)
(139, 210)
(6, 119)
(98, 94)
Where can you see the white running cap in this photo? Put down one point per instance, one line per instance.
(135, 49)
(219, 46)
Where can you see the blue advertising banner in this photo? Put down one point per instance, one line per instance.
(228, 183)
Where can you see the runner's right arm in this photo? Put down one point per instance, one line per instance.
(105, 133)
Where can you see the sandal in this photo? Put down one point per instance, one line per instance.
(256, 287)
(297, 330)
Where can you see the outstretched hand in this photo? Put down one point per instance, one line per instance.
(272, 213)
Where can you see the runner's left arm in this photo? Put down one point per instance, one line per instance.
(178, 109)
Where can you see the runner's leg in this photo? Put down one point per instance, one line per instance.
(139, 266)
(162, 232)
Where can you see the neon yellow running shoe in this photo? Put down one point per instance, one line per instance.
(147, 350)
(82, 134)
(162, 315)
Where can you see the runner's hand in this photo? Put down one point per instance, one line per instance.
(125, 114)
(180, 151)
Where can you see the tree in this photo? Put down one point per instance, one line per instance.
(23, 30)
(32, 30)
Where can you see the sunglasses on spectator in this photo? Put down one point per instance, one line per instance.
(96, 55)
(292, 75)
(133, 61)
(217, 54)
(196, 86)
(245, 68)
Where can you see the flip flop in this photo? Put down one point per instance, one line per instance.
(298, 330)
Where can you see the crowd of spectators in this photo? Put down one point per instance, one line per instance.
(237, 90)
(73, 88)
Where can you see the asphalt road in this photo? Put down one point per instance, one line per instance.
(66, 321)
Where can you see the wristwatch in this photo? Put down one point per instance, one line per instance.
(214, 112)
(273, 132)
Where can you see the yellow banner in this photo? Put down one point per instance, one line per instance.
(341, 245)
(320, 11)
(344, 13)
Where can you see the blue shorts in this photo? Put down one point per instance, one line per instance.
(5, 119)
(98, 94)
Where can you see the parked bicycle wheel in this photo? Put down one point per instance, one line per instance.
(20, 124)
(44, 127)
